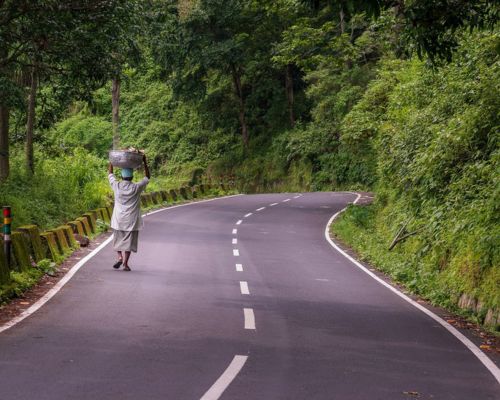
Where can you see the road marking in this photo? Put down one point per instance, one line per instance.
(274, 204)
(284, 201)
(221, 384)
(239, 222)
(235, 231)
(249, 318)
(247, 215)
(490, 365)
(296, 197)
(244, 287)
(260, 209)
(322, 280)
(236, 252)
(239, 267)
(235, 241)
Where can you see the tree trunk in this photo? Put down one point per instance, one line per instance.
(241, 111)
(30, 164)
(342, 20)
(398, 28)
(289, 94)
(4, 142)
(115, 100)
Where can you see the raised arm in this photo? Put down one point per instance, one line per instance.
(146, 168)
(110, 168)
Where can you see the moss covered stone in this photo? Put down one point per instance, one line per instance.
(110, 211)
(70, 237)
(4, 269)
(20, 251)
(86, 226)
(49, 239)
(36, 247)
(77, 227)
(62, 242)
(92, 220)
(146, 200)
(185, 192)
(156, 196)
(173, 194)
(105, 216)
(202, 188)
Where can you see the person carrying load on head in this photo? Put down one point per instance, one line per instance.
(126, 221)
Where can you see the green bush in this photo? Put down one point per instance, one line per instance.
(61, 188)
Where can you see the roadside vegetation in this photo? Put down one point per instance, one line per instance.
(396, 97)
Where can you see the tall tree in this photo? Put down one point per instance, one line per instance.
(212, 35)
(65, 38)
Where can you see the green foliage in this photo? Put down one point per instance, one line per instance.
(101, 226)
(435, 136)
(47, 267)
(90, 132)
(63, 187)
(20, 282)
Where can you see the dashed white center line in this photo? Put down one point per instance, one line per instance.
(249, 318)
(284, 201)
(235, 231)
(244, 287)
(236, 252)
(296, 197)
(215, 392)
(239, 222)
(247, 215)
(239, 267)
(274, 204)
(260, 209)
(235, 241)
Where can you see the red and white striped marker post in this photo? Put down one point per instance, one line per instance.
(7, 221)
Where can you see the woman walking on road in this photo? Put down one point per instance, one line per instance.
(126, 221)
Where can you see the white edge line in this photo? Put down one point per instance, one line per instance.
(490, 365)
(58, 286)
(221, 384)
(52, 292)
(244, 287)
(249, 318)
(239, 267)
(236, 252)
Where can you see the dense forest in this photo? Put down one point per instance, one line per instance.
(397, 97)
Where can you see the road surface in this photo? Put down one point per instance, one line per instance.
(237, 298)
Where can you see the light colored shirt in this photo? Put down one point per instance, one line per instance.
(127, 209)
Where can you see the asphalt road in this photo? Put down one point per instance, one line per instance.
(315, 327)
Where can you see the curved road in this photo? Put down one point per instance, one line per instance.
(213, 282)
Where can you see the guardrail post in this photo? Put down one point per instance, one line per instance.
(7, 221)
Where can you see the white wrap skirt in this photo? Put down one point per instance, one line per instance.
(125, 240)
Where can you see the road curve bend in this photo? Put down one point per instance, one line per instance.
(236, 298)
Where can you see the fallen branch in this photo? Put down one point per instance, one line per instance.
(403, 235)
